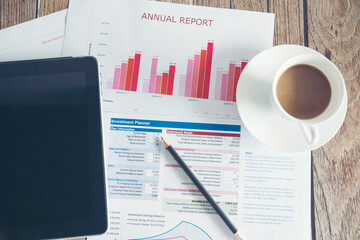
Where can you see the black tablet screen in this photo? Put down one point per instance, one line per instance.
(44, 163)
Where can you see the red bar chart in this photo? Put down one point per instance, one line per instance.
(196, 82)
(160, 83)
(226, 81)
(126, 75)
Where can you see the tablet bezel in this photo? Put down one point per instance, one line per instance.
(98, 223)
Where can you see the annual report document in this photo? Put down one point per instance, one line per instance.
(167, 52)
(38, 38)
(171, 70)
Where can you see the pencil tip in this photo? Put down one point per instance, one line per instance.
(166, 144)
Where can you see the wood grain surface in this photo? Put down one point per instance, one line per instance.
(211, 3)
(176, 1)
(250, 5)
(49, 6)
(331, 27)
(289, 21)
(16, 11)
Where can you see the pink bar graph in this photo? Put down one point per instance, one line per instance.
(230, 86)
(200, 88)
(146, 86)
(209, 54)
(123, 76)
(135, 75)
(158, 84)
(126, 76)
(218, 83)
(195, 75)
(154, 63)
(116, 81)
(129, 73)
(225, 77)
(237, 76)
(182, 85)
(243, 64)
(188, 77)
(161, 82)
(109, 84)
(226, 82)
(198, 73)
(171, 80)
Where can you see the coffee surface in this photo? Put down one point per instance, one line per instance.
(303, 91)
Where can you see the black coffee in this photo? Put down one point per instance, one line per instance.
(303, 91)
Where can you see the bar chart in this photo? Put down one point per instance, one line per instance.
(196, 81)
(126, 75)
(160, 83)
(204, 66)
(226, 81)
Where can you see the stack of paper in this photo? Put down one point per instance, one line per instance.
(171, 70)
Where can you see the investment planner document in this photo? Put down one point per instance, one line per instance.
(171, 70)
(264, 192)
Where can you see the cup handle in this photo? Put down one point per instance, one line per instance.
(311, 133)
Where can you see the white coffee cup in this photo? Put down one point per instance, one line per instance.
(309, 127)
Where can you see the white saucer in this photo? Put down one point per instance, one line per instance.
(257, 114)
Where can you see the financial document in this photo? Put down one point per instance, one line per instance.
(167, 53)
(39, 38)
(264, 192)
(171, 70)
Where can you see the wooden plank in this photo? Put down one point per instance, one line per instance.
(334, 30)
(289, 21)
(251, 5)
(212, 3)
(16, 11)
(175, 1)
(208, 3)
(49, 6)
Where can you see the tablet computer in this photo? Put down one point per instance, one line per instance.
(52, 174)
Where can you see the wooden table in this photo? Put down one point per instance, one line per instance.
(332, 27)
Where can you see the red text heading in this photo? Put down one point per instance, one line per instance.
(173, 19)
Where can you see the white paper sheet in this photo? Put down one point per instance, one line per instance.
(38, 38)
(116, 31)
(266, 193)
